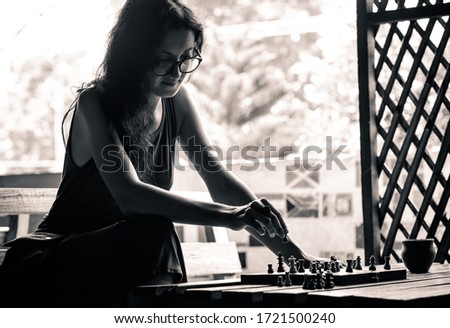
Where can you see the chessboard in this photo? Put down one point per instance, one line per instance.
(329, 273)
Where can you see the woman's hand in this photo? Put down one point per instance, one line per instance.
(260, 216)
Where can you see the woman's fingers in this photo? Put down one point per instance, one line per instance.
(262, 216)
(279, 223)
(263, 220)
(268, 218)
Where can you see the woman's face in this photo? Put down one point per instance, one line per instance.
(177, 45)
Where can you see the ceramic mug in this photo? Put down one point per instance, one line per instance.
(418, 254)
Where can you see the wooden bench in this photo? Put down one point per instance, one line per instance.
(216, 258)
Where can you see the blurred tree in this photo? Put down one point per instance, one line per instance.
(36, 97)
(295, 88)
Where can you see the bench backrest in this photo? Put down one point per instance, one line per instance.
(15, 201)
(203, 259)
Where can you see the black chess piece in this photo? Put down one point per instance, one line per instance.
(309, 282)
(313, 267)
(372, 266)
(280, 262)
(305, 281)
(301, 265)
(292, 267)
(280, 281)
(337, 266)
(287, 279)
(329, 281)
(358, 263)
(333, 266)
(269, 268)
(320, 283)
(319, 266)
(326, 266)
(387, 263)
(349, 266)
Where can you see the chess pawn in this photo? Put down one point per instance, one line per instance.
(326, 266)
(269, 268)
(292, 268)
(312, 283)
(313, 267)
(319, 267)
(358, 263)
(372, 266)
(387, 263)
(280, 282)
(337, 266)
(287, 279)
(301, 265)
(329, 281)
(320, 283)
(349, 266)
(309, 282)
(333, 266)
(305, 281)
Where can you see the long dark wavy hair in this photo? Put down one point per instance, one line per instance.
(132, 45)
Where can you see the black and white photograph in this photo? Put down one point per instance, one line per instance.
(224, 162)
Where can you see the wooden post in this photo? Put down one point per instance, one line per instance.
(369, 174)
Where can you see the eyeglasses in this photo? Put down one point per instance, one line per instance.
(185, 65)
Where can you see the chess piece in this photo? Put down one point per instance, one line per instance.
(313, 267)
(319, 267)
(326, 266)
(280, 282)
(301, 265)
(333, 266)
(358, 263)
(329, 281)
(280, 262)
(309, 282)
(269, 268)
(287, 279)
(349, 266)
(337, 266)
(387, 263)
(372, 263)
(292, 267)
(320, 283)
(305, 281)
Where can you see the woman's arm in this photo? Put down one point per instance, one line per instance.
(137, 198)
(222, 184)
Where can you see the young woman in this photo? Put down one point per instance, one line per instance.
(111, 226)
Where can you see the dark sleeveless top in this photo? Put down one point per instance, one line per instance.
(83, 201)
(84, 204)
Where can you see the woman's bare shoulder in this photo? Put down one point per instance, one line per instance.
(186, 109)
(89, 97)
(184, 103)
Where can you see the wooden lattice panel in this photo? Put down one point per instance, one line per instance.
(408, 59)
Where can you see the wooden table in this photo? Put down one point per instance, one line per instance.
(431, 289)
